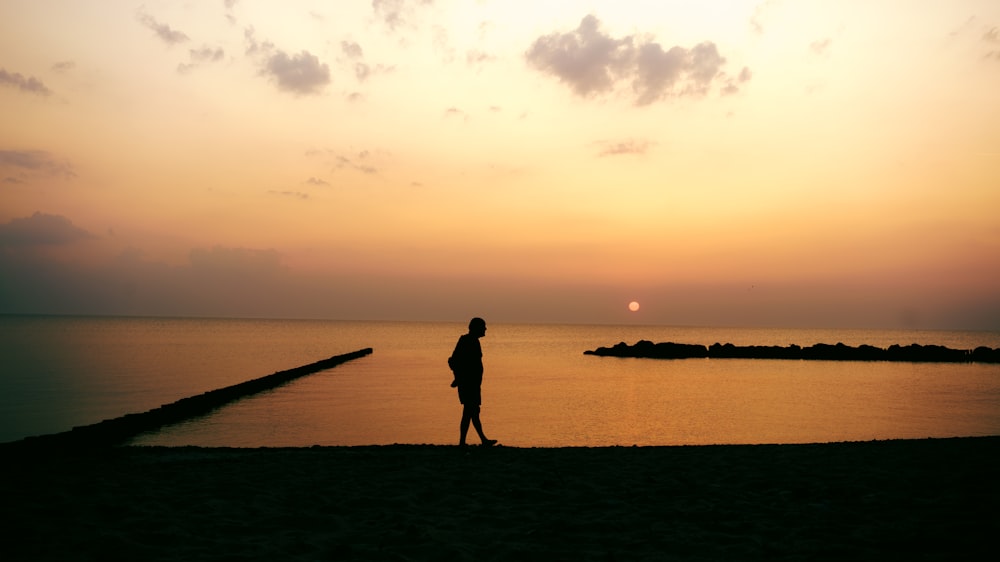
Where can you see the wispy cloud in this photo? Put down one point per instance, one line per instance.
(41, 229)
(361, 162)
(318, 182)
(356, 59)
(202, 56)
(167, 34)
(289, 193)
(454, 112)
(63, 66)
(230, 16)
(476, 58)
(821, 47)
(630, 146)
(992, 38)
(397, 13)
(364, 161)
(35, 162)
(362, 71)
(759, 16)
(732, 83)
(27, 84)
(592, 62)
(351, 49)
(207, 54)
(255, 46)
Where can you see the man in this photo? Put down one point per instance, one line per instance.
(466, 363)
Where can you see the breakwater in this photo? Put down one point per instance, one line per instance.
(821, 352)
(119, 430)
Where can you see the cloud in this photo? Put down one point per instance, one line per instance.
(351, 49)
(631, 146)
(27, 84)
(732, 84)
(288, 193)
(759, 15)
(300, 74)
(253, 45)
(35, 162)
(167, 34)
(41, 229)
(677, 70)
(475, 58)
(317, 182)
(230, 17)
(389, 11)
(207, 54)
(63, 66)
(591, 62)
(360, 163)
(442, 44)
(362, 71)
(355, 57)
(201, 56)
(586, 59)
(369, 162)
(992, 37)
(820, 47)
(395, 13)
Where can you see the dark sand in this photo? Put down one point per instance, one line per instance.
(890, 500)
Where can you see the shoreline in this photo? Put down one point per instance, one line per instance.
(923, 499)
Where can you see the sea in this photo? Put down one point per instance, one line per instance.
(539, 389)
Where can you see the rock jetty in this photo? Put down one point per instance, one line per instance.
(823, 352)
(119, 430)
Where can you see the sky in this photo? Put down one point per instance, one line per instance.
(773, 163)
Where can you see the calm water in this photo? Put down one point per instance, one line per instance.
(539, 390)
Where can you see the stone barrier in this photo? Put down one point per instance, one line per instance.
(119, 430)
(823, 352)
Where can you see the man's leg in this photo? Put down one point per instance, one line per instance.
(479, 428)
(466, 418)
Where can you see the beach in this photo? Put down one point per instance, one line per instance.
(932, 499)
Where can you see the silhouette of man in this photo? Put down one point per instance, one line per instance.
(467, 364)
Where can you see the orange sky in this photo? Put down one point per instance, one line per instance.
(759, 163)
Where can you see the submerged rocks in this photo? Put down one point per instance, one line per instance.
(820, 351)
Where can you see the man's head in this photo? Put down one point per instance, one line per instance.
(477, 327)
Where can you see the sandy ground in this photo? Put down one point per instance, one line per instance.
(890, 500)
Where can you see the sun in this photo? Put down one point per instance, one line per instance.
(633, 306)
